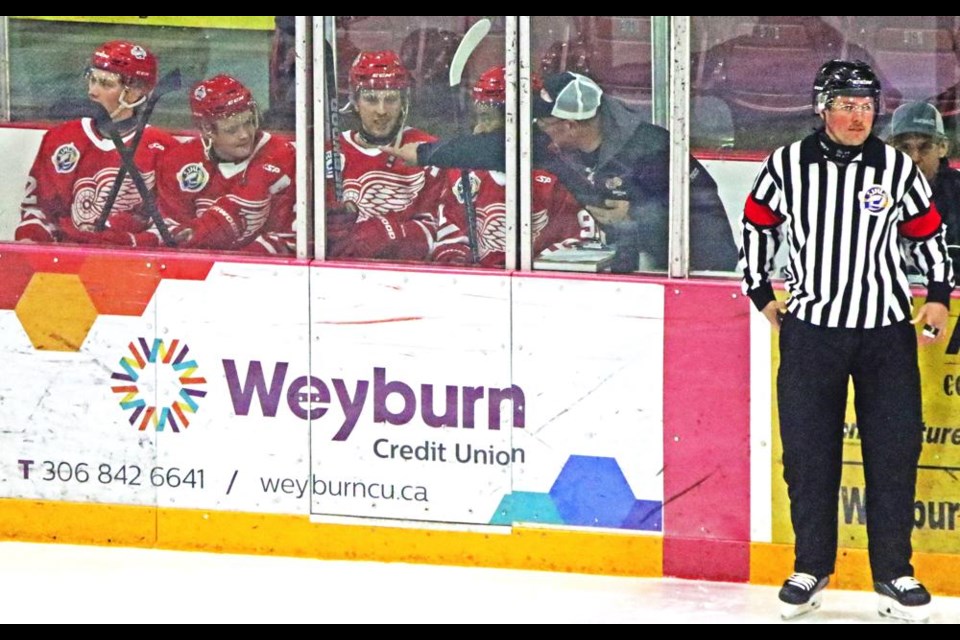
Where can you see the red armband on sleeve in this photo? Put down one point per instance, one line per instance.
(923, 226)
(759, 214)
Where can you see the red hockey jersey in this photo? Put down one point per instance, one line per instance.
(71, 178)
(257, 196)
(558, 219)
(396, 202)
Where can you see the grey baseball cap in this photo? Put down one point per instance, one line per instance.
(917, 117)
(568, 96)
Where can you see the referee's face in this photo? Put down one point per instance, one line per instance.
(849, 119)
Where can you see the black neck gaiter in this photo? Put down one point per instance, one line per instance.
(839, 153)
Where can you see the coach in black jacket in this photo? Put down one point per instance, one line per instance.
(618, 166)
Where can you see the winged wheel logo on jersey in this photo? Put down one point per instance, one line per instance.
(90, 194)
(380, 192)
(474, 187)
(493, 228)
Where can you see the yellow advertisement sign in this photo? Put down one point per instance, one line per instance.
(210, 22)
(937, 506)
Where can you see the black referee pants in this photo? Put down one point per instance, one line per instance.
(815, 365)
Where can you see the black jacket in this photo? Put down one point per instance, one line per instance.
(946, 195)
(633, 163)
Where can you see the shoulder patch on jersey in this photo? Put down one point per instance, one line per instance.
(65, 158)
(874, 199)
(474, 187)
(272, 168)
(193, 177)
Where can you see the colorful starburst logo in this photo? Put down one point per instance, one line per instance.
(160, 385)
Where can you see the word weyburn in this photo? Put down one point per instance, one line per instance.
(308, 397)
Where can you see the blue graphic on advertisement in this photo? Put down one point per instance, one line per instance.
(589, 491)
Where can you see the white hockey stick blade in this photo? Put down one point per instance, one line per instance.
(471, 39)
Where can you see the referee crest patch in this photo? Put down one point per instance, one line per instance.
(874, 199)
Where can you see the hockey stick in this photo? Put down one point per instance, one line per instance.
(126, 159)
(471, 40)
(333, 106)
(469, 43)
(168, 83)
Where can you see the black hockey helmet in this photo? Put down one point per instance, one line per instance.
(845, 78)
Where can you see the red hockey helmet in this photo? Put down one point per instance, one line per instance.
(135, 64)
(491, 87)
(220, 97)
(536, 83)
(378, 70)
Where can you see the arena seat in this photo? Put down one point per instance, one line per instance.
(918, 61)
(624, 49)
(764, 74)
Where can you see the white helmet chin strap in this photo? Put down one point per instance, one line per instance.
(207, 143)
(404, 110)
(126, 105)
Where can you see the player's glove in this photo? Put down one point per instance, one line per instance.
(108, 236)
(375, 236)
(372, 238)
(128, 221)
(341, 219)
(217, 228)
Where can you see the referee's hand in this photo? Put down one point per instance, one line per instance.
(933, 317)
(774, 312)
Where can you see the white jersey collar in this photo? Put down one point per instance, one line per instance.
(230, 169)
(373, 152)
(104, 144)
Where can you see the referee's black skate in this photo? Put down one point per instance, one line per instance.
(904, 599)
(801, 594)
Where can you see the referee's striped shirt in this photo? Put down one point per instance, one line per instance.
(843, 225)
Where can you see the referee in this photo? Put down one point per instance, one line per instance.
(842, 201)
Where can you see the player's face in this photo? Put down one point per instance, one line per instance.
(925, 151)
(233, 138)
(849, 119)
(380, 111)
(489, 118)
(106, 88)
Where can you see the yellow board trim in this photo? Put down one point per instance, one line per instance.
(604, 553)
(260, 23)
(772, 563)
